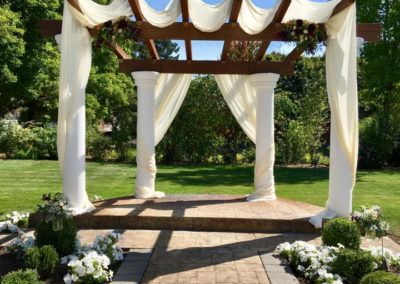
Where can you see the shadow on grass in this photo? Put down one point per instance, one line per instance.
(243, 176)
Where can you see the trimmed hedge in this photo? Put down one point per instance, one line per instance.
(44, 260)
(353, 265)
(341, 231)
(28, 276)
(63, 241)
(381, 277)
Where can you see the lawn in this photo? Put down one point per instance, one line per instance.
(22, 183)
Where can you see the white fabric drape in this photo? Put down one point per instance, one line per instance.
(209, 18)
(159, 99)
(253, 19)
(341, 75)
(317, 12)
(241, 98)
(163, 18)
(171, 90)
(76, 55)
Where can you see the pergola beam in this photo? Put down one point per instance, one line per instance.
(280, 13)
(180, 31)
(140, 18)
(185, 19)
(237, 4)
(206, 67)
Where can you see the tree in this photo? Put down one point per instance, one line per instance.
(380, 86)
(12, 49)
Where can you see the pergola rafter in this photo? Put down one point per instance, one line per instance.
(237, 4)
(277, 19)
(229, 32)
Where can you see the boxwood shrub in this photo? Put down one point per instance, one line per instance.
(28, 276)
(44, 260)
(353, 265)
(381, 277)
(63, 241)
(341, 231)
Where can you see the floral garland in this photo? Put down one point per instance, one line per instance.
(116, 31)
(307, 34)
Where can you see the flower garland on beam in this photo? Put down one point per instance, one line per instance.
(307, 34)
(116, 31)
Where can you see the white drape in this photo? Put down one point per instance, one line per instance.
(171, 90)
(241, 98)
(253, 19)
(209, 18)
(317, 12)
(163, 18)
(159, 98)
(341, 75)
(251, 100)
(76, 55)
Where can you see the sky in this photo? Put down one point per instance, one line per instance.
(211, 50)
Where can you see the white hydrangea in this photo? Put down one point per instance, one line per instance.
(91, 265)
(313, 262)
(392, 259)
(10, 224)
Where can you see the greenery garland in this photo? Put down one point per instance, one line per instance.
(307, 34)
(116, 31)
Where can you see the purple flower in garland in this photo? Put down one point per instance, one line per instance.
(299, 23)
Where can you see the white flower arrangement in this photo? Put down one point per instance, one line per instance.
(313, 262)
(107, 245)
(8, 227)
(92, 267)
(55, 209)
(369, 220)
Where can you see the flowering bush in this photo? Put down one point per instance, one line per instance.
(307, 34)
(369, 220)
(55, 210)
(312, 262)
(92, 267)
(13, 222)
(107, 245)
(391, 259)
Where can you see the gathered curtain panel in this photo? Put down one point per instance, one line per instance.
(238, 91)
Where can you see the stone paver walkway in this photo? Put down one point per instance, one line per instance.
(204, 257)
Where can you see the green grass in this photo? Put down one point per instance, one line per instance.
(22, 183)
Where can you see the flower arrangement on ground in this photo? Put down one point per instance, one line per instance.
(369, 220)
(55, 210)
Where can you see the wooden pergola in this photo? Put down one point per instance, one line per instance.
(228, 33)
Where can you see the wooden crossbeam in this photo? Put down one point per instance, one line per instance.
(180, 31)
(185, 19)
(295, 54)
(236, 5)
(206, 67)
(280, 13)
(139, 17)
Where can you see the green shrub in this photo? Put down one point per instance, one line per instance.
(353, 265)
(381, 277)
(341, 231)
(28, 276)
(44, 260)
(63, 241)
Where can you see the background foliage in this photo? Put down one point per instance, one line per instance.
(204, 130)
